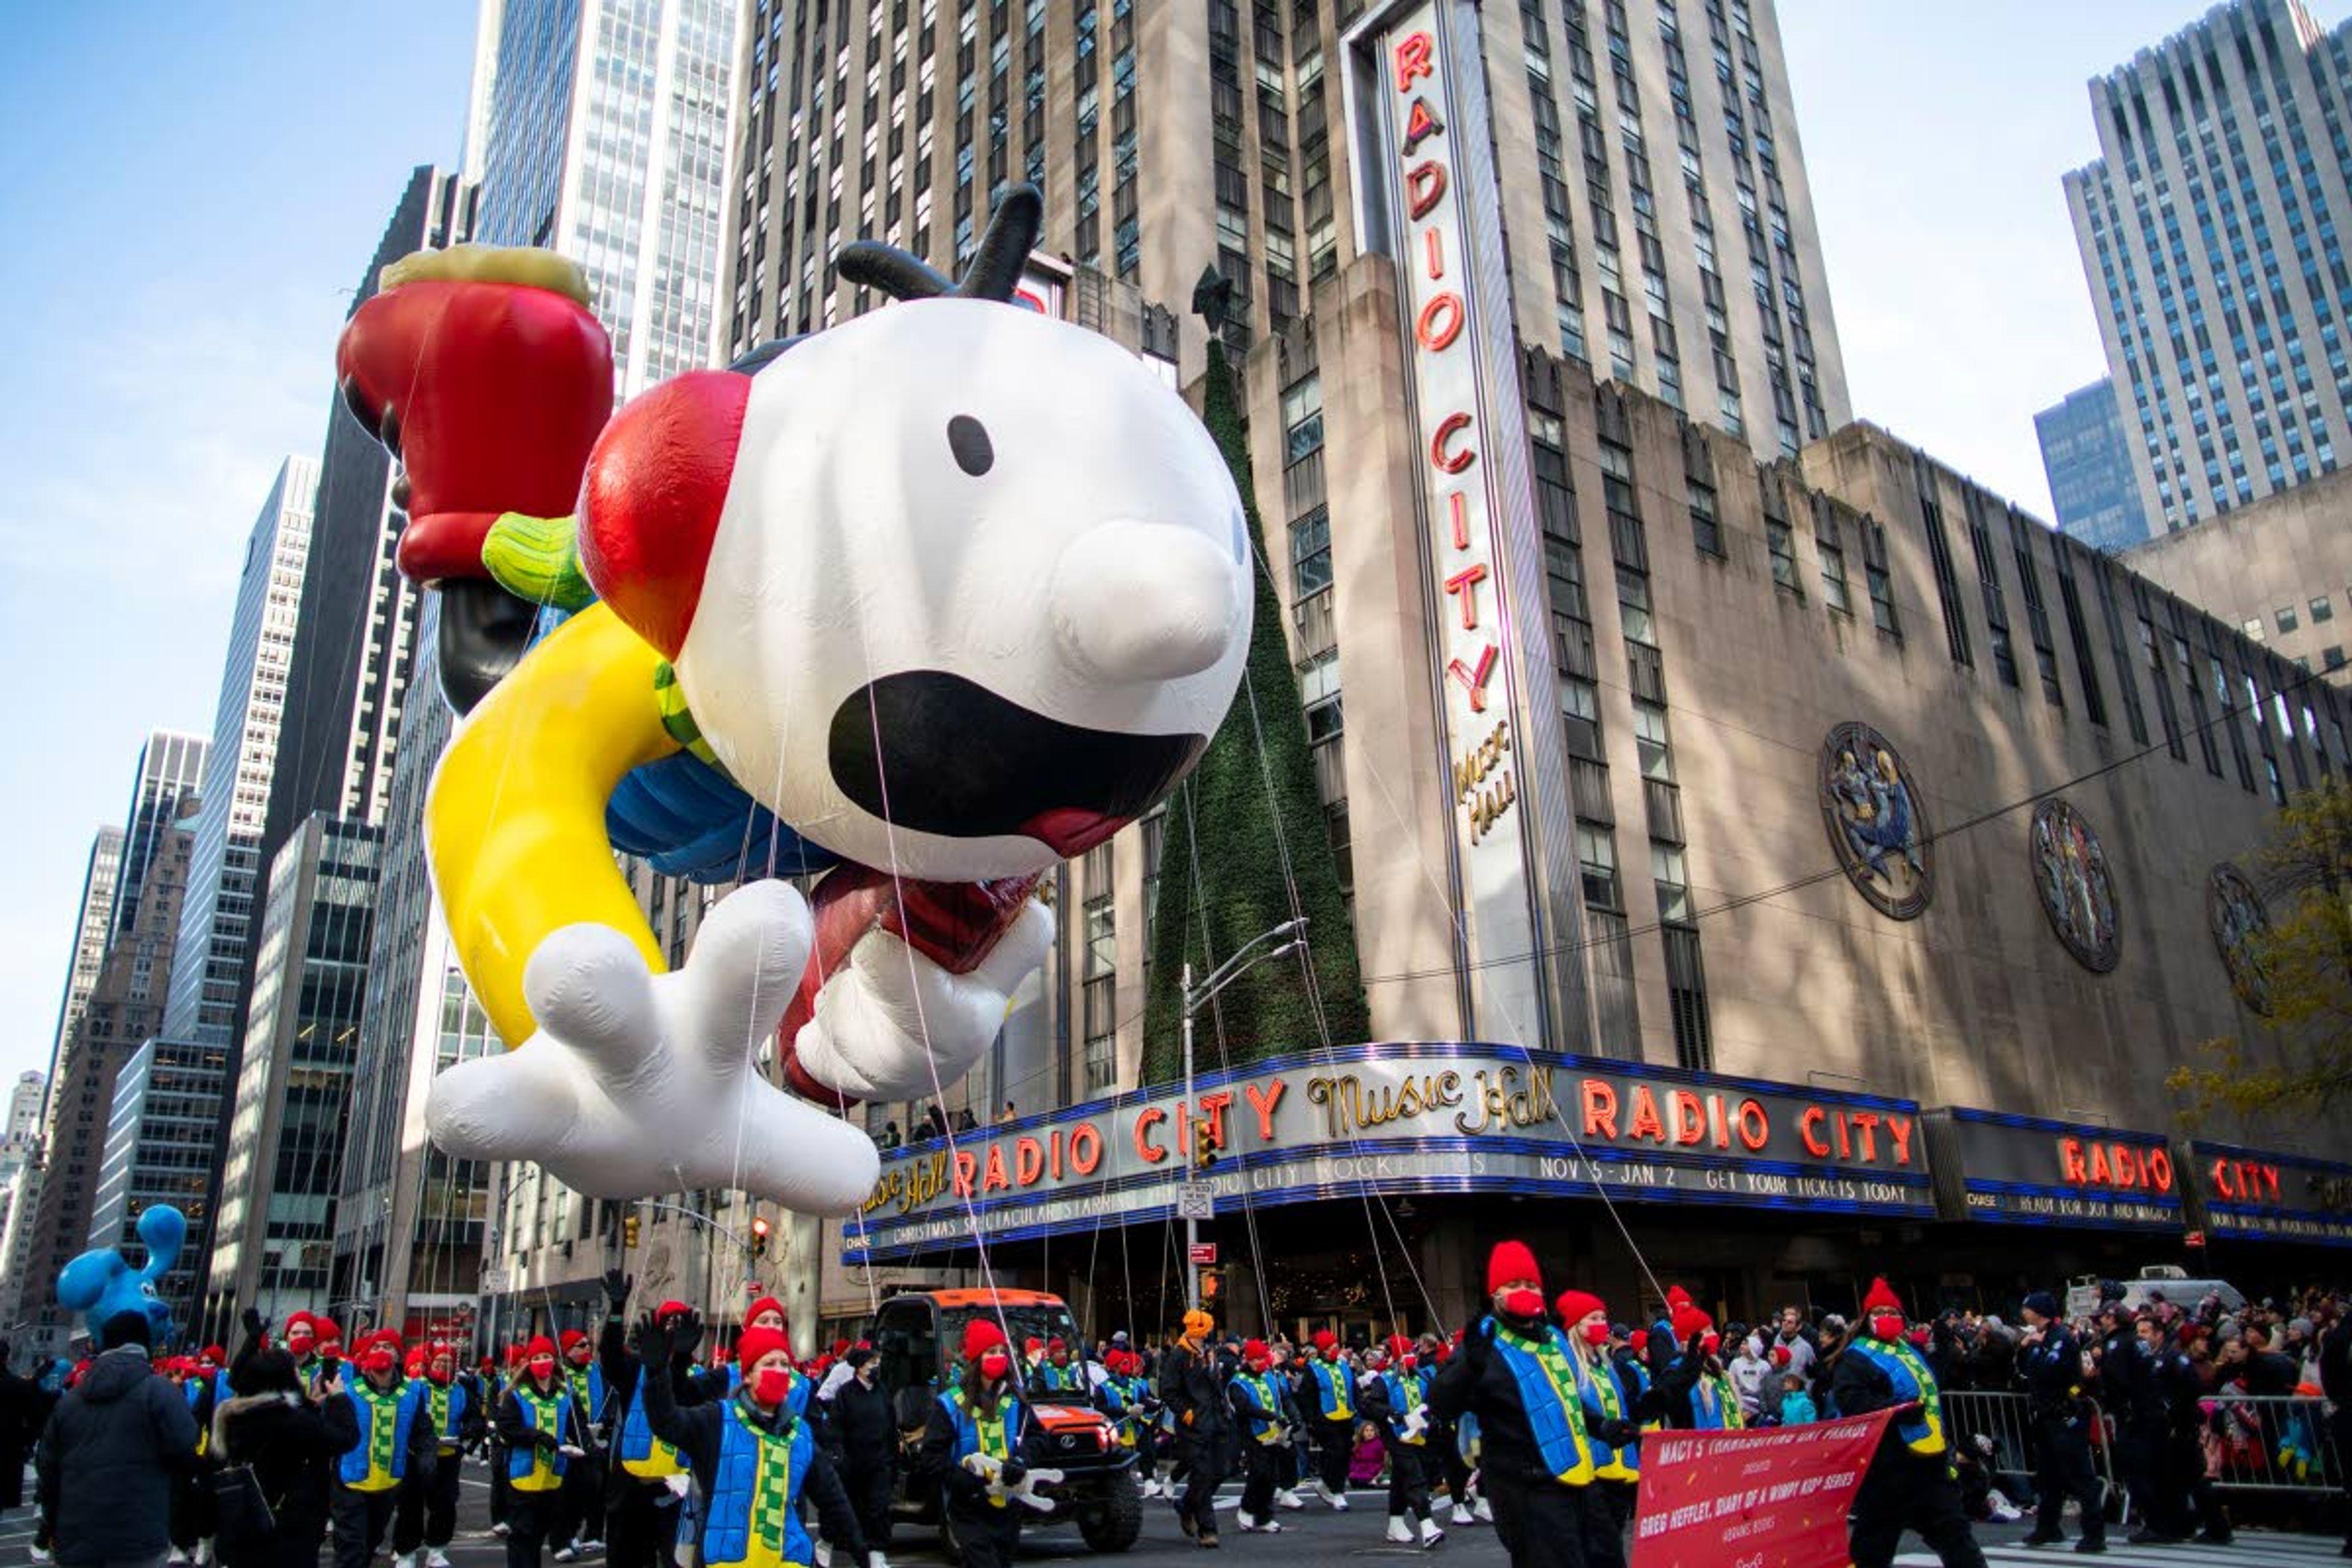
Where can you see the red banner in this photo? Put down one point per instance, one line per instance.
(1773, 1498)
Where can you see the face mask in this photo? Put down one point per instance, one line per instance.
(995, 1365)
(439, 1374)
(1412, 1362)
(1887, 1326)
(1526, 1302)
(1711, 1343)
(1596, 1333)
(542, 1367)
(1257, 1368)
(376, 1364)
(1331, 1353)
(772, 1384)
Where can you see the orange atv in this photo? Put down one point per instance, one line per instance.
(915, 1338)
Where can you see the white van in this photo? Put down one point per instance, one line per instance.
(2162, 1280)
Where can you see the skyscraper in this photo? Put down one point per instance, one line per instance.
(160, 1134)
(273, 1225)
(98, 877)
(1661, 224)
(171, 767)
(355, 637)
(2087, 457)
(124, 1010)
(2212, 231)
(24, 1123)
(206, 1002)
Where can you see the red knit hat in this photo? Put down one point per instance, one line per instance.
(1255, 1350)
(569, 1338)
(1511, 1260)
(1780, 1355)
(980, 1336)
(1640, 1339)
(757, 1342)
(214, 1354)
(326, 1330)
(1400, 1347)
(540, 1345)
(1882, 1298)
(669, 1309)
(765, 1304)
(1677, 1299)
(302, 1323)
(1325, 1339)
(1689, 1320)
(1575, 1306)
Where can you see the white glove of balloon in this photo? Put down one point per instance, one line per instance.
(639, 1083)
(891, 1025)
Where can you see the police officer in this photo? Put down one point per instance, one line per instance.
(2049, 1358)
(1911, 1484)
(2128, 1392)
(2184, 1488)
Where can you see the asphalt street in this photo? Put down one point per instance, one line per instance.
(1316, 1536)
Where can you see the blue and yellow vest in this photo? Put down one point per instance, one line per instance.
(530, 1468)
(754, 1517)
(1261, 1388)
(1605, 1394)
(447, 1403)
(1715, 1404)
(1066, 1379)
(1405, 1395)
(380, 1461)
(641, 1453)
(587, 1385)
(1331, 1393)
(1922, 1426)
(996, 1437)
(1544, 1369)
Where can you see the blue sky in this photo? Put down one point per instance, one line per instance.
(190, 193)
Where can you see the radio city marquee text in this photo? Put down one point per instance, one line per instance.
(1485, 789)
(1303, 1126)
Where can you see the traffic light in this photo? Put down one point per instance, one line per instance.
(629, 1230)
(1211, 1282)
(758, 1236)
(1204, 1145)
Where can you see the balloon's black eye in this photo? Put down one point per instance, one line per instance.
(968, 440)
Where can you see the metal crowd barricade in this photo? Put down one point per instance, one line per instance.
(2004, 1419)
(2278, 1443)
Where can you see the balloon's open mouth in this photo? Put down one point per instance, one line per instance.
(934, 752)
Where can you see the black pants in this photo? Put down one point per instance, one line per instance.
(2342, 1424)
(428, 1507)
(1541, 1524)
(1335, 1441)
(1408, 1481)
(501, 1487)
(991, 1537)
(580, 1501)
(1623, 1499)
(640, 1524)
(360, 1519)
(2189, 1491)
(1904, 1490)
(1261, 1462)
(1457, 1469)
(529, 1518)
(870, 1479)
(1203, 1458)
(2140, 1455)
(2063, 1470)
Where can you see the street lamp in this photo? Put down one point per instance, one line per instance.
(1248, 956)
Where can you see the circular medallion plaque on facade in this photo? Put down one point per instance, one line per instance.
(2235, 913)
(1875, 825)
(2070, 871)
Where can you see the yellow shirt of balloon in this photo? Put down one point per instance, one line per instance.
(515, 823)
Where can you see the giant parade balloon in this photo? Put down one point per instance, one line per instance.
(926, 602)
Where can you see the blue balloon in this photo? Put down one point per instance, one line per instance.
(101, 1285)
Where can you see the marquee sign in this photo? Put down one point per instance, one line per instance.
(2025, 1170)
(1412, 1116)
(2252, 1195)
(1416, 99)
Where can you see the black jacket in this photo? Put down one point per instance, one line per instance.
(696, 1432)
(292, 1445)
(2335, 1363)
(1193, 1386)
(23, 1409)
(1476, 1380)
(864, 1429)
(108, 1458)
(2052, 1370)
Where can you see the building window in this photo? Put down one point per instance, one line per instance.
(2321, 610)
(1706, 531)
(1098, 930)
(1633, 603)
(2285, 618)
(1651, 741)
(1310, 553)
(1579, 710)
(2252, 628)
(1781, 540)
(1673, 877)
(1302, 418)
(1834, 586)
(1596, 848)
(2333, 657)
